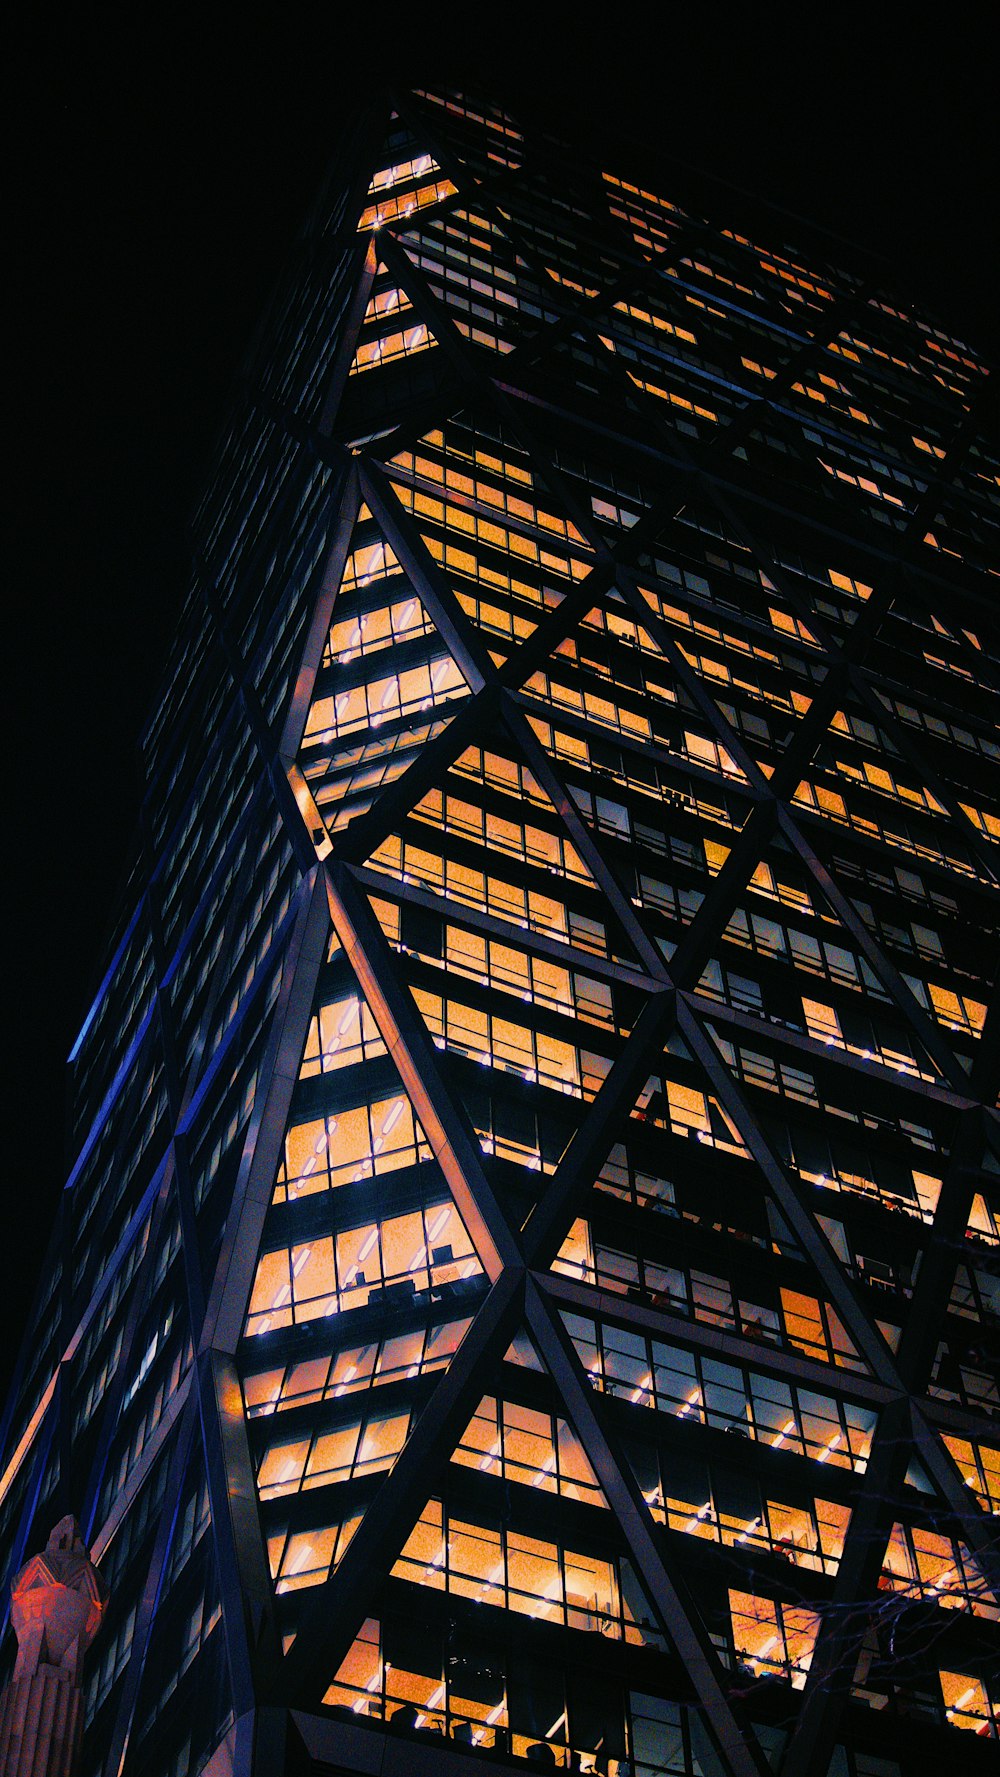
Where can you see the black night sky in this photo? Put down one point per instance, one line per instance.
(159, 171)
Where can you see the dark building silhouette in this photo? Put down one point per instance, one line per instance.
(526, 1291)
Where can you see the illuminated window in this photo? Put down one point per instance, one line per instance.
(653, 1374)
(380, 700)
(344, 1032)
(425, 1250)
(307, 1557)
(529, 1447)
(360, 1448)
(774, 1638)
(397, 205)
(351, 1368)
(967, 1704)
(537, 1578)
(355, 1143)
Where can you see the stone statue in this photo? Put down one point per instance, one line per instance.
(57, 1602)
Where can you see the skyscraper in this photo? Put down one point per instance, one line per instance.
(526, 1289)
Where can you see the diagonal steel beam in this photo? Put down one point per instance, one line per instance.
(944, 1246)
(708, 927)
(813, 1241)
(550, 1219)
(455, 628)
(491, 925)
(405, 1036)
(712, 1341)
(335, 1610)
(244, 1576)
(977, 1528)
(678, 1614)
(428, 769)
(128, 1696)
(233, 1280)
(583, 840)
(846, 1616)
(924, 1027)
(319, 624)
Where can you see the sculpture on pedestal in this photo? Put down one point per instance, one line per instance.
(57, 1602)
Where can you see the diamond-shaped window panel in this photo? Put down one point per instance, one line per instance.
(384, 685)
